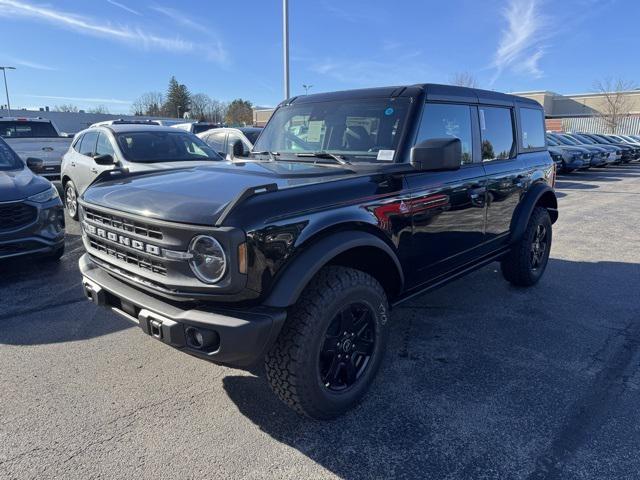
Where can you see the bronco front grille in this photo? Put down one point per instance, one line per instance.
(15, 215)
(120, 223)
(128, 257)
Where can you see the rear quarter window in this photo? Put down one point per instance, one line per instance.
(532, 128)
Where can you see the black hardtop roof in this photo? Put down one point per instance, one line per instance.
(433, 92)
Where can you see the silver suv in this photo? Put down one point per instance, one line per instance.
(127, 146)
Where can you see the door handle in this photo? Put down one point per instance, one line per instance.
(73, 164)
(94, 170)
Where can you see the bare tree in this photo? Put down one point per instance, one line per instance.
(149, 103)
(616, 104)
(217, 111)
(65, 108)
(200, 106)
(99, 109)
(464, 79)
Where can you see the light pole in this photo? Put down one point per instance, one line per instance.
(285, 41)
(306, 88)
(6, 88)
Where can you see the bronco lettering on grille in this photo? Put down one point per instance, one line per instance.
(122, 240)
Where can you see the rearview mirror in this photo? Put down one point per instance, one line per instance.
(35, 164)
(105, 159)
(437, 154)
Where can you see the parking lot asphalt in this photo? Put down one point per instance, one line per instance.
(481, 380)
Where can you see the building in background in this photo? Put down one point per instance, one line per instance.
(588, 112)
(71, 122)
(261, 116)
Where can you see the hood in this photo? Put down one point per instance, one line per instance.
(198, 195)
(20, 184)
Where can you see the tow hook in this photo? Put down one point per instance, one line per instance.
(155, 328)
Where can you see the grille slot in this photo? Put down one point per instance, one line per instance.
(128, 257)
(16, 215)
(120, 223)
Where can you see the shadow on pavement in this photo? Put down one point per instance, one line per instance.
(42, 302)
(479, 376)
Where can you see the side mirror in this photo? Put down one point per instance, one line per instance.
(437, 154)
(238, 149)
(105, 159)
(35, 164)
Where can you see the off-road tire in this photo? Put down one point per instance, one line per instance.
(517, 266)
(292, 364)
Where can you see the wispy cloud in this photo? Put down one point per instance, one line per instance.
(402, 69)
(114, 101)
(521, 44)
(180, 18)
(124, 7)
(134, 36)
(29, 64)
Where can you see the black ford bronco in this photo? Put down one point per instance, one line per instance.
(349, 203)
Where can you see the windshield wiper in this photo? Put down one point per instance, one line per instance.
(326, 155)
(272, 155)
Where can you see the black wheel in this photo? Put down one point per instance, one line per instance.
(331, 345)
(55, 255)
(525, 263)
(71, 199)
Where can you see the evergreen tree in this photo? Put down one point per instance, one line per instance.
(178, 99)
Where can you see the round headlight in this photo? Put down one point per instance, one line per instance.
(208, 261)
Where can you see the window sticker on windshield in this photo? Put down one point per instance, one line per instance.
(315, 130)
(389, 111)
(386, 155)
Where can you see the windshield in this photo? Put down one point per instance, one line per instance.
(569, 140)
(8, 158)
(551, 141)
(584, 139)
(562, 140)
(358, 130)
(150, 147)
(26, 129)
(604, 139)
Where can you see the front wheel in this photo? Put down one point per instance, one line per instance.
(71, 199)
(526, 262)
(331, 345)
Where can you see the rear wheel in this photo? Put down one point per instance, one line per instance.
(71, 199)
(526, 262)
(332, 344)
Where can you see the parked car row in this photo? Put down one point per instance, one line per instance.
(580, 151)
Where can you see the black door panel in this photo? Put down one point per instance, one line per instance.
(448, 210)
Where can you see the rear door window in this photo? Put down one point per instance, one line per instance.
(532, 124)
(496, 130)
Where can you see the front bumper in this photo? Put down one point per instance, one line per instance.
(238, 337)
(43, 235)
(575, 164)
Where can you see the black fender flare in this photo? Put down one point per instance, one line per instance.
(538, 194)
(294, 278)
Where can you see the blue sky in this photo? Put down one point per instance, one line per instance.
(111, 51)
